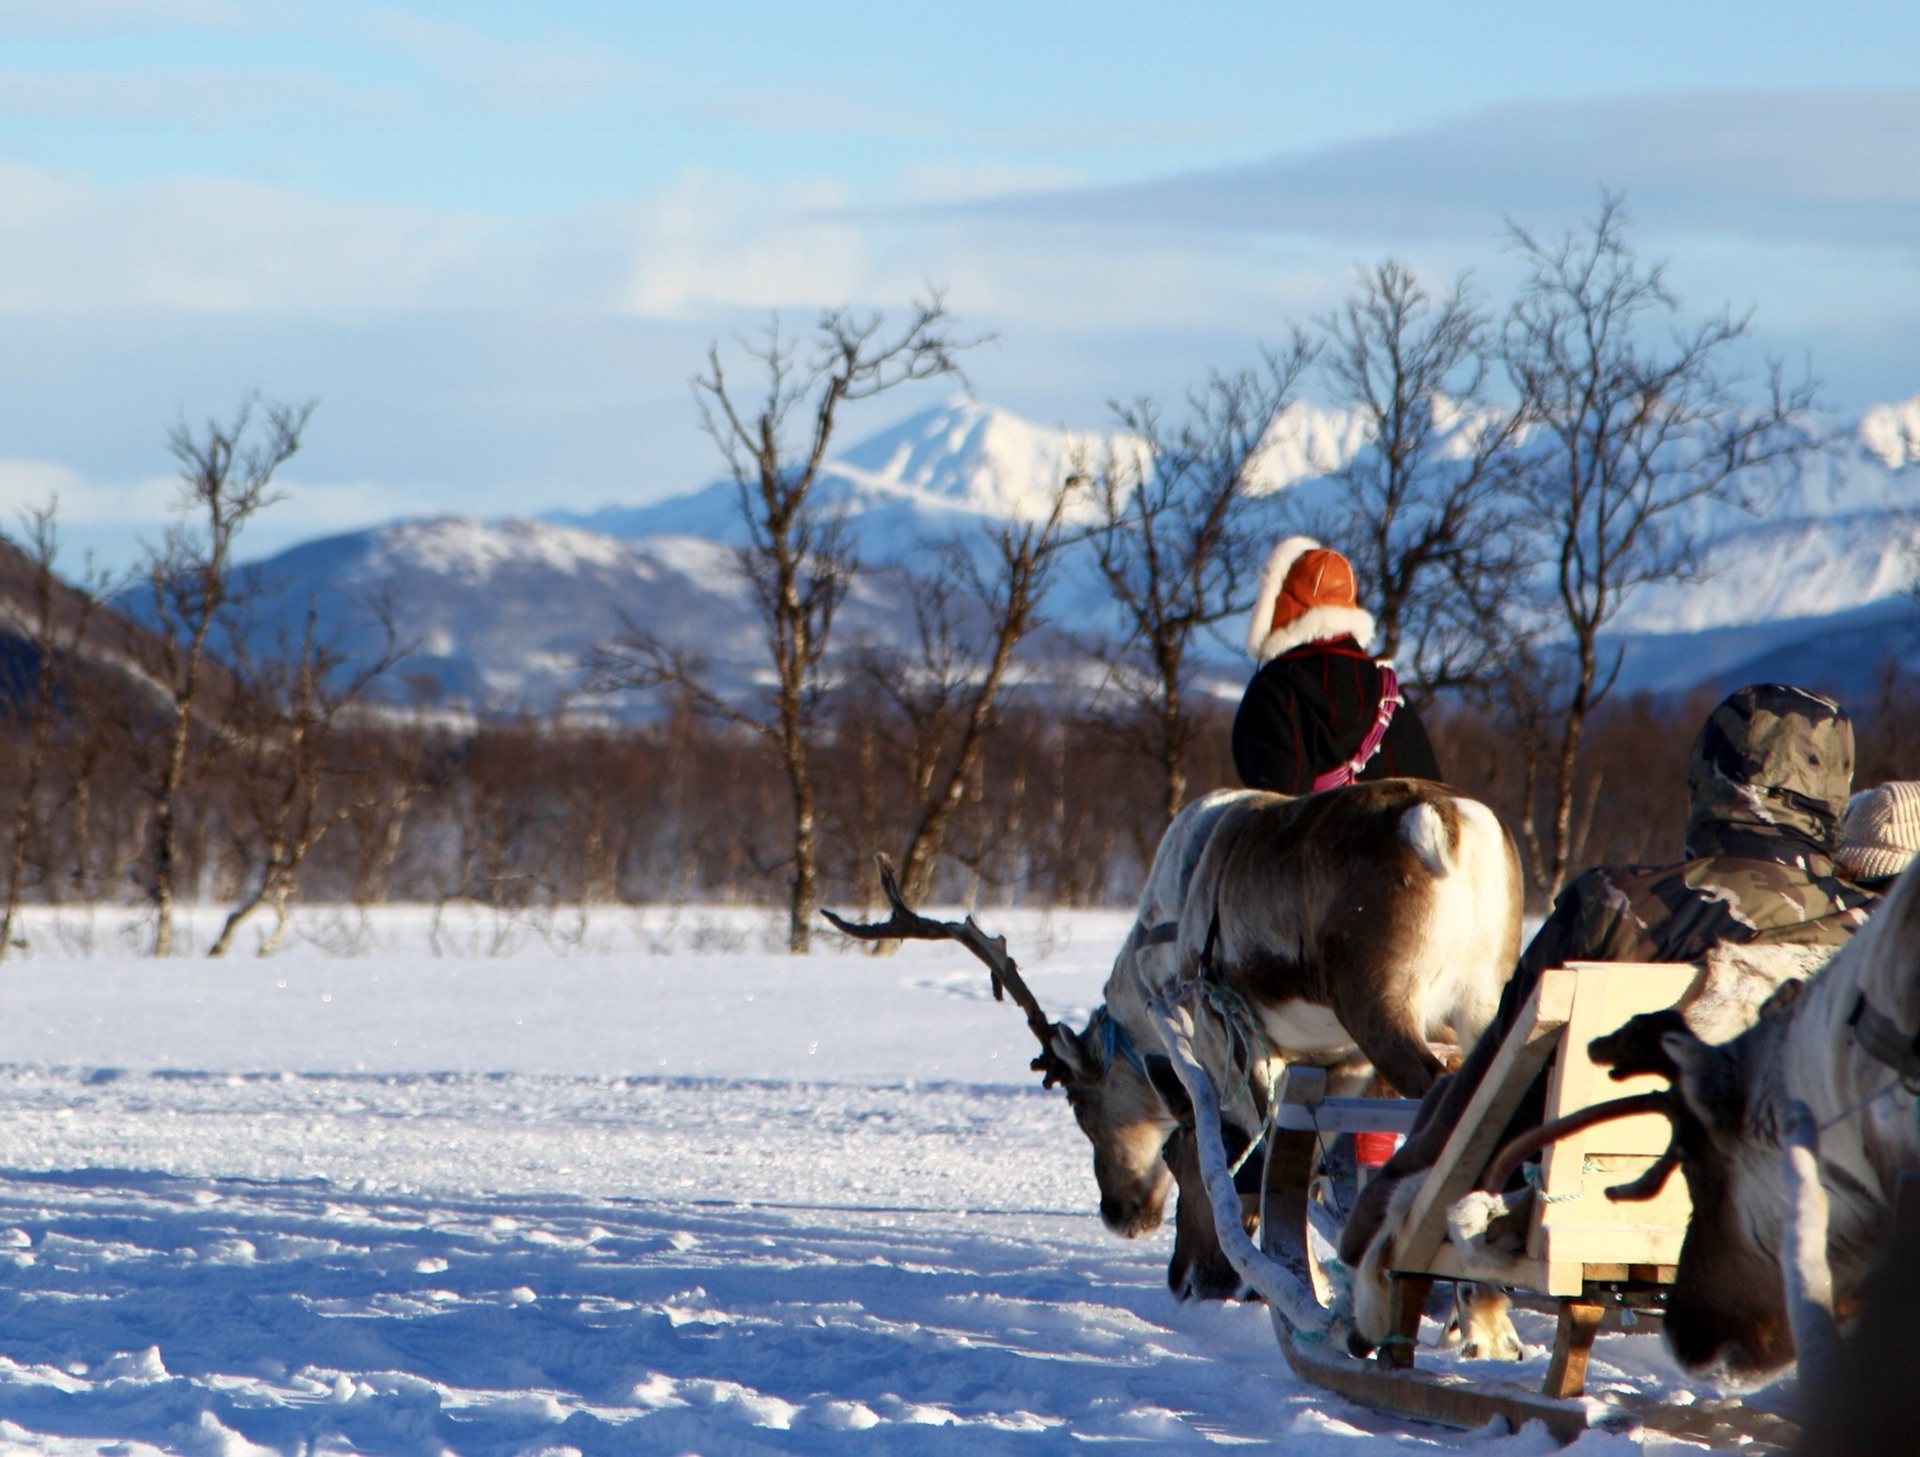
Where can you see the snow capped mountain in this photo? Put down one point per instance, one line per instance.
(501, 611)
(955, 461)
(1891, 433)
(1814, 586)
(967, 456)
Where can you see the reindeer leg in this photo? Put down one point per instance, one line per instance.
(1803, 1254)
(1401, 1056)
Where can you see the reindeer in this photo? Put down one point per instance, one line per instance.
(1843, 1046)
(1354, 924)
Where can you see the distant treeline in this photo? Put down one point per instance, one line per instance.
(542, 816)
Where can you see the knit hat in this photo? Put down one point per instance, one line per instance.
(1307, 594)
(1880, 832)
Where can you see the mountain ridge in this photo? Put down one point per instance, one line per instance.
(503, 609)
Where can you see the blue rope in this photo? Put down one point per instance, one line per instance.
(1114, 1042)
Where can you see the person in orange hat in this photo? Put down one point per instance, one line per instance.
(1320, 712)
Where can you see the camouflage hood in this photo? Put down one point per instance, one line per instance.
(1770, 774)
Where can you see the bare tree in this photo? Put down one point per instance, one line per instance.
(1636, 423)
(1176, 543)
(1425, 507)
(969, 624)
(226, 474)
(294, 782)
(56, 622)
(799, 558)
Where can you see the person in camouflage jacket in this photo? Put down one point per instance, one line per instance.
(1767, 784)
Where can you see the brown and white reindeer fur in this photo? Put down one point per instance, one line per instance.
(1730, 1105)
(1357, 926)
(1374, 921)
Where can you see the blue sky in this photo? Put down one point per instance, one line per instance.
(494, 240)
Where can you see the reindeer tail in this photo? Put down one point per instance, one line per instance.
(1429, 836)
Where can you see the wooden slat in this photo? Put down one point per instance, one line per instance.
(1602, 1171)
(1535, 1035)
(1606, 995)
(1575, 1252)
(1574, 1224)
(1522, 1270)
(1572, 1344)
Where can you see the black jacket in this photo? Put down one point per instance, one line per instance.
(1306, 711)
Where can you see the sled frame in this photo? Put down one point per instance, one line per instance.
(1582, 1251)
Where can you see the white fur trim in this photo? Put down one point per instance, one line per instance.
(1316, 624)
(1273, 576)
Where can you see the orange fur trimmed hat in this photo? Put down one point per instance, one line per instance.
(1307, 594)
(1319, 577)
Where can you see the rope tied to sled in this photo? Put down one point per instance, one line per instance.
(1246, 1037)
(1532, 1174)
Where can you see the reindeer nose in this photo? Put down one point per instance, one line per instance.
(1113, 1212)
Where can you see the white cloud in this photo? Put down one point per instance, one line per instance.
(951, 182)
(112, 517)
(204, 245)
(204, 97)
(514, 70)
(1779, 166)
(28, 485)
(709, 243)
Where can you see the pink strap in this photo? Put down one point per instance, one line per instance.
(1369, 746)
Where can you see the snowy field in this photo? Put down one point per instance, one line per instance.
(643, 1184)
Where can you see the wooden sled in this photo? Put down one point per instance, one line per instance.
(1584, 1253)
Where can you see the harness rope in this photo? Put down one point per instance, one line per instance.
(1390, 701)
(1245, 1035)
(1114, 1042)
(1845, 1113)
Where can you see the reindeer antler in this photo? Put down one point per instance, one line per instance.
(906, 924)
(1516, 1150)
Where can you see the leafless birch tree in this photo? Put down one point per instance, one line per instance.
(226, 474)
(799, 558)
(293, 781)
(1636, 422)
(56, 624)
(1176, 540)
(946, 693)
(1425, 508)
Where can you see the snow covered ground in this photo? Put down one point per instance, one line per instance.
(640, 1184)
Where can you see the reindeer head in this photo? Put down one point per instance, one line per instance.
(1726, 1313)
(1114, 1097)
(1127, 1113)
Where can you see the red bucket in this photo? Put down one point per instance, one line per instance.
(1374, 1149)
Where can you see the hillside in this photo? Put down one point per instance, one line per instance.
(114, 656)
